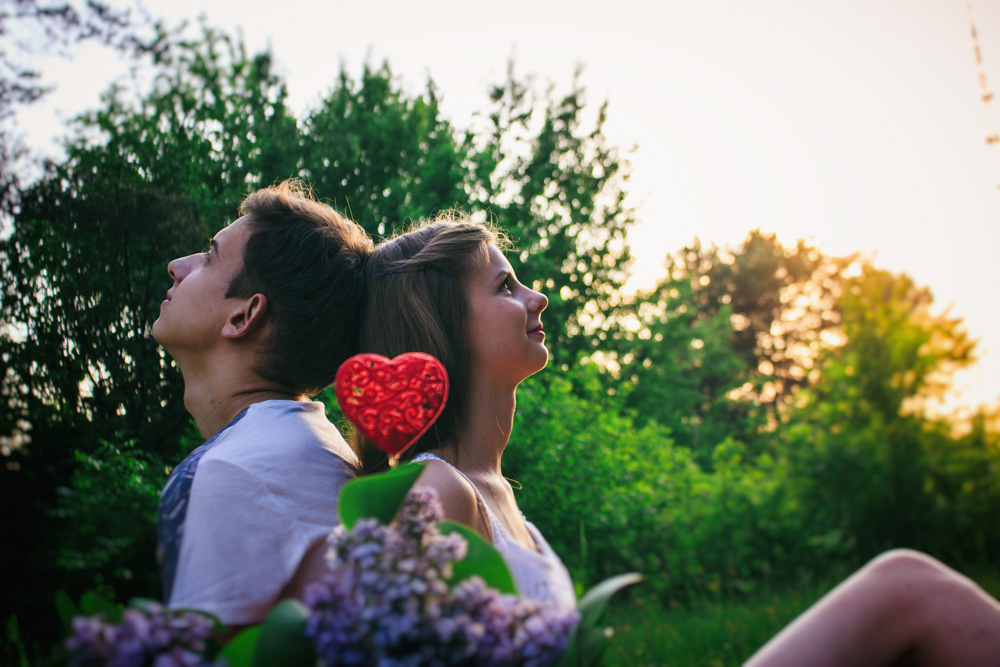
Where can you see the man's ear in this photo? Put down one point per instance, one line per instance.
(247, 319)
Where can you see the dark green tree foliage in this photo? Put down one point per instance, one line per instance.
(385, 157)
(83, 281)
(85, 274)
(213, 128)
(91, 241)
(557, 187)
(965, 484)
(44, 27)
(85, 271)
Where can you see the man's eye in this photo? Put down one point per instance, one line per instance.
(207, 256)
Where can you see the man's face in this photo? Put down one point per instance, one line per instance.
(196, 307)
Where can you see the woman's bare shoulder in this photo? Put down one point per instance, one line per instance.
(455, 492)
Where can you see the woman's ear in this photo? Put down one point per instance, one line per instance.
(247, 319)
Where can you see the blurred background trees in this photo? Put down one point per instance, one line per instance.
(761, 414)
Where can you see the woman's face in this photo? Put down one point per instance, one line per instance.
(504, 327)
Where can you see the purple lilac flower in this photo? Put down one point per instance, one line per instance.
(387, 601)
(154, 636)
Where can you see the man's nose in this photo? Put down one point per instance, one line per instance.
(179, 268)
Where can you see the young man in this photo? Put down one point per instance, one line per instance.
(256, 325)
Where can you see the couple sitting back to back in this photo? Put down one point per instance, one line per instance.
(262, 321)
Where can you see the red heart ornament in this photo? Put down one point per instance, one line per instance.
(392, 402)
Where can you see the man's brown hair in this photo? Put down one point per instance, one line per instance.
(307, 260)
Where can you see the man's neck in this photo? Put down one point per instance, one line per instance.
(214, 399)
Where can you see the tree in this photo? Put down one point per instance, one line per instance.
(91, 240)
(722, 336)
(144, 182)
(859, 442)
(681, 368)
(781, 301)
(385, 157)
(48, 26)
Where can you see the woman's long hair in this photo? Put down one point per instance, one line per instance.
(416, 303)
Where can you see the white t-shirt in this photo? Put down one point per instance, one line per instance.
(262, 497)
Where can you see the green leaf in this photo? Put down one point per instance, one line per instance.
(239, 652)
(66, 609)
(481, 559)
(93, 603)
(592, 642)
(589, 640)
(283, 641)
(593, 603)
(377, 496)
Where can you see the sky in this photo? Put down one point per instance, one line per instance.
(858, 125)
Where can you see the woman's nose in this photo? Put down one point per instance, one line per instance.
(539, 301)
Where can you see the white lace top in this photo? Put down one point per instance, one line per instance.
(539, 574)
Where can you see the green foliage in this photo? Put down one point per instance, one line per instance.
(385, 157)
(680, 366)
(589, 639)
(867, 465)
(781, 302)
(481, 559)
(377, 496)
(86, 265)
(239, 652)
(102, 526)
(214, 126)
(282, 641)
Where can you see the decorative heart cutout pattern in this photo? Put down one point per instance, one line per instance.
(392, 402)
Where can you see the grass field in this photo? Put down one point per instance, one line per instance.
(714, 633)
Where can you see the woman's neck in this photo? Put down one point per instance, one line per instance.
(484, 433)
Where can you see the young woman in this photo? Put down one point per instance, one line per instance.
(446, 289)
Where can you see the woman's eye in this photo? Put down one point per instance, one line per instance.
(505, 287)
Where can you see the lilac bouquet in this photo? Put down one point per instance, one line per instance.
(402, 588)
(388, 600)
(151, 635)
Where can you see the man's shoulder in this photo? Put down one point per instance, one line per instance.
(294, 431)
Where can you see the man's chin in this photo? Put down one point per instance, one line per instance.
(155, 331)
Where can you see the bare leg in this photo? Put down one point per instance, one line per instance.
(904, 607)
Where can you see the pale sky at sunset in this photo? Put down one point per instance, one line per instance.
(857, 124)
